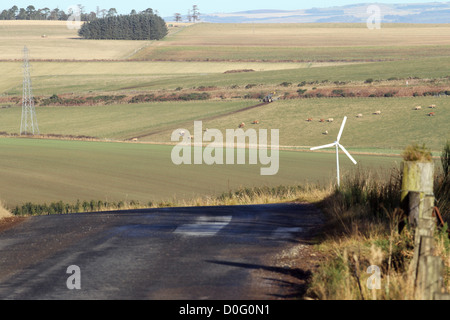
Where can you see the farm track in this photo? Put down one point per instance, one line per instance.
(174, 127)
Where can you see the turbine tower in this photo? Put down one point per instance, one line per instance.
(29, 124)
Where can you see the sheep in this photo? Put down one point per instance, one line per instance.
(309, 119)
(330, 120)
(359, 115)
(326, 132)
(322, 120)
(433, 106)
(255, 122)
(242, 125)
(418, 108)
(377, 113)
(134, 139)
(431, 114)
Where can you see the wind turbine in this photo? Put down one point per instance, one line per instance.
(338, 145)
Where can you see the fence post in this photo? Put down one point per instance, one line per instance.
(417, 184)
(418, 202)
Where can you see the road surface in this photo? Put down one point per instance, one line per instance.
(214, 253)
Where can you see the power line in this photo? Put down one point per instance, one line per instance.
(28, 123)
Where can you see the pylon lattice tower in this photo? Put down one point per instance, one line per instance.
(29, 123)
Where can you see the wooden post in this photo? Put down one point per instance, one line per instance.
(429, 278)
(417, 185)
(417, 176)
(418, 202)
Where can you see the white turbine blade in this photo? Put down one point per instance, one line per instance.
(348, 154)
(342, 129)
(325, 146)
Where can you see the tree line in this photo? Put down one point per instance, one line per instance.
(148, 26)
(31, 13)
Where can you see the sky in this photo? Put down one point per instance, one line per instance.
(167, 8)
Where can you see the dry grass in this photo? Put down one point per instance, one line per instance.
(417, 153)
(345, 273)
(364, 229)
(310, 35)
(264, 195)
(52, 40)
(299, 42)
(243, 196)
(442, 249)
(4, 213)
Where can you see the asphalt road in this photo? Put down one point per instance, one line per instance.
(156, 254)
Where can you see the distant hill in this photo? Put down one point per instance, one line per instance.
(434, 12)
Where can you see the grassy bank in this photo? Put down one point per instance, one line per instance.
(242, 196)
(366, 227)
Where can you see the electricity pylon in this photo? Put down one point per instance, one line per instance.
(29, 124)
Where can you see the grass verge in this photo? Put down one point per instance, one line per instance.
(243, 196)
(367, 228)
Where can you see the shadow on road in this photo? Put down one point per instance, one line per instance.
(297, 288)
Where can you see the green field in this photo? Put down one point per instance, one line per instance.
(398, 126)
(118, 121)
(46, 170)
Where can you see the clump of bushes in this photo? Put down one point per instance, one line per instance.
(173, 97)
(194, 96)
(55, 100)
(338, 92)
(204, 88)
(389, 94)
